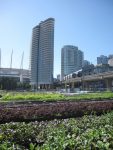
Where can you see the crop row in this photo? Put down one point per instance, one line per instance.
(54, 96)
(50, 110)
(85, 133)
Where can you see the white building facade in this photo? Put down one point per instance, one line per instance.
(42, 54)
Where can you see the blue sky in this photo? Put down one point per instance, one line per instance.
(87, 24)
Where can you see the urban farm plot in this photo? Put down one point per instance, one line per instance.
(87, 132)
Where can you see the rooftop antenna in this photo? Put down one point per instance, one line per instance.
(11, 59)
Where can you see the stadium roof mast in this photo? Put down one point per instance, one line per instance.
(21, 65)
(21, 68)
(0, 57)
(11, 59)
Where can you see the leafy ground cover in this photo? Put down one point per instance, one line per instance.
(85, 133)
(32, 96)
(54, 96)
(51, 110)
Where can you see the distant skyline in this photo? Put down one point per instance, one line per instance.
(87, 24)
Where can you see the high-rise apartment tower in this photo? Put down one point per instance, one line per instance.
(102, 60)
(42, 54)
(71, 60)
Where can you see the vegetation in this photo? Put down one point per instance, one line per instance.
(55, 97)
(88, 132)
(33, 96)
(7, 83)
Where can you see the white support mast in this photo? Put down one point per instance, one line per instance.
(0, 58)
(21, 68)
(21, 65)
(11, 59)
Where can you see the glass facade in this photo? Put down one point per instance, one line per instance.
(71, 60)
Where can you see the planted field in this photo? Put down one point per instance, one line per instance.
(47, 106)
(32, 111)
(55, 97)
(85, 133)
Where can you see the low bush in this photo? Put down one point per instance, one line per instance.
(88, 132)
(32, 111)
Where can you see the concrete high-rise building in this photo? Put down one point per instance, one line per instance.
(86, 63)
(102, 60)
(71, 60)
(110, 62)
(58, 77)
(80, 58)
(110, 56)
(42, 54)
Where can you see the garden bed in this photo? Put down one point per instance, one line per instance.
(31, 111)
(89, 132)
